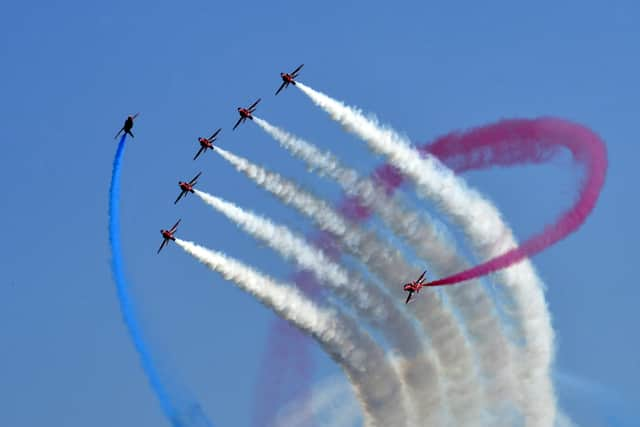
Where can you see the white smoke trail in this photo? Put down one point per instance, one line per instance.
(563, 420)
(362, 360)
(330, 403)
(369, 301)
(291, 194)
(464, 391)
(470, 299)
(489, 237)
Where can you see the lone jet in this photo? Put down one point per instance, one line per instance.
(128, 124)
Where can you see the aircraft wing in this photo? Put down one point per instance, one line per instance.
(237, 123)
(119, 132)
(175, 226)
(195, 178)
(164, 242)
(254, 104)
(281, 87)
(198, 153)
(296, 70)
(215, 134)
(409, 298)
(421, 276)
(182, 193)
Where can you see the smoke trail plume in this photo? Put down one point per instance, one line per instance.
(450, 344)
(471, 300)
(290, 245)
(285, 374)
(490, 237)
(179, 409)
(290, 193)
(361, 359)
(256, 119)
(369, 301)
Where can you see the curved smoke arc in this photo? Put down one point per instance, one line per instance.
(178, 408)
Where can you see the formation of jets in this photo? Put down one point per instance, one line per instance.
(207, 143)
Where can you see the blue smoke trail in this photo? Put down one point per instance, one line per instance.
(191, 413)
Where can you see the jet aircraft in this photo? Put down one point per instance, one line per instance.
(168, 235)
(206, 143)
(415, 286)
(288, 78)
(187, 187)
(128, 124)
(245, 113)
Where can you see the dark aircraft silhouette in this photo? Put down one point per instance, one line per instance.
(128, 124)
(245, 113)
(187, 187)
(414, 286)
(288, 79)
(168, 235)
(206, 143)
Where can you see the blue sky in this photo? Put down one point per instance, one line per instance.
(72, 71)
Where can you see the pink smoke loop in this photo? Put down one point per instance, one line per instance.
(513, 142)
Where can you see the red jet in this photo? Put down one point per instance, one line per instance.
(168, 235)
(245, 113)
(414, 286)
(128, 124)
(206, 143)
(287, 78)
(187, 187)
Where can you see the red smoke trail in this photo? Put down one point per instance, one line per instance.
(283, 376)
(287, 364)
(512, 142)
(286, 370)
